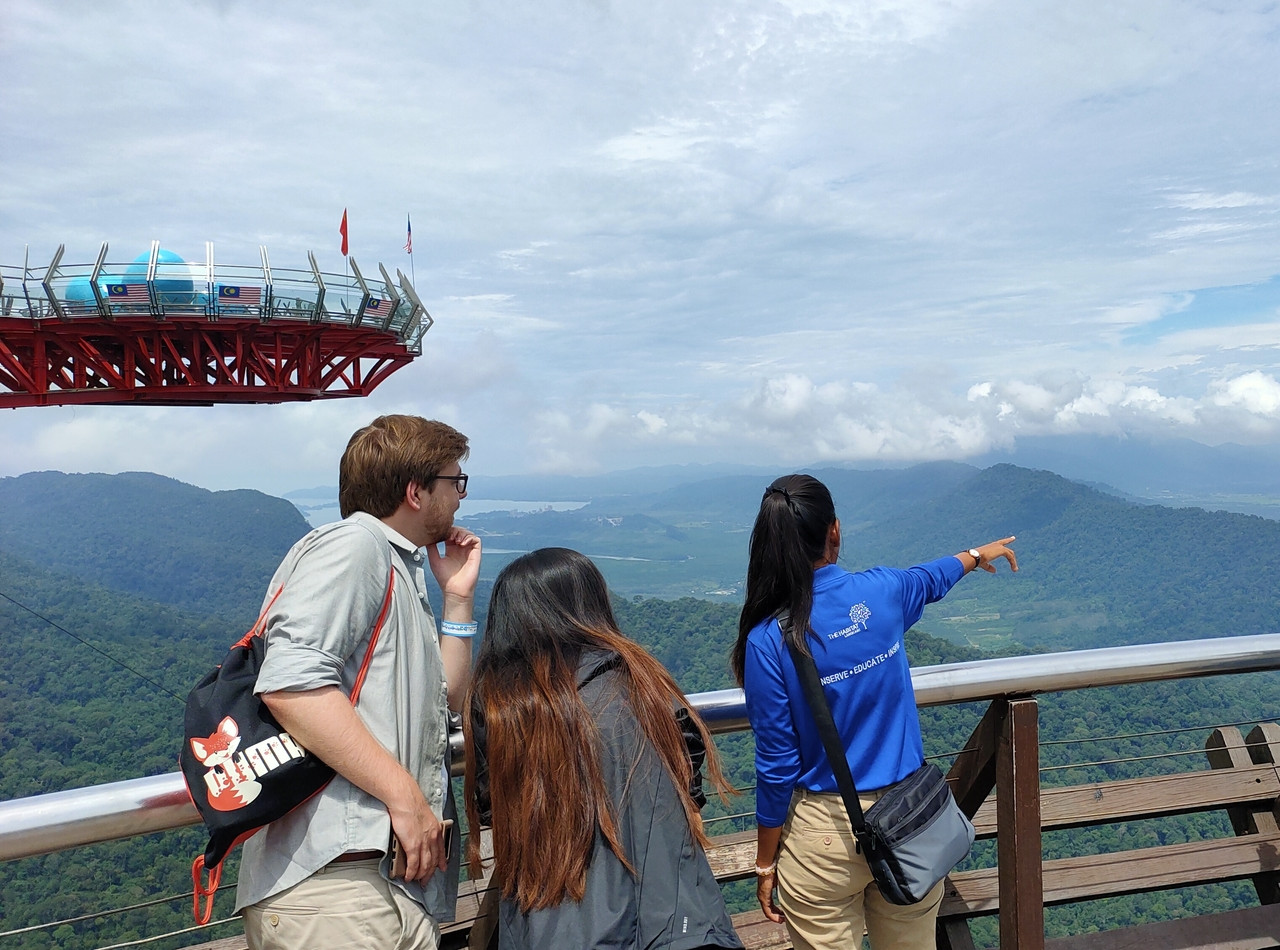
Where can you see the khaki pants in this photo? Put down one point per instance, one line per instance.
(340, 907)
(826, 891)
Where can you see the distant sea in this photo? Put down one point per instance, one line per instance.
(323, 510)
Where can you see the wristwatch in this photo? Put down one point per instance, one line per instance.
(977, 558)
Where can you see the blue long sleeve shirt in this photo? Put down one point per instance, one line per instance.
(860, 620)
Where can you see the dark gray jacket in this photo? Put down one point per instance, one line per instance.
(673, 901)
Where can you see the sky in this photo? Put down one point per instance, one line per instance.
(776, 232)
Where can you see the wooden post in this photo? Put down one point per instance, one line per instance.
(1226, 750)
(973, 774)
(972, 777)
(1018, 840)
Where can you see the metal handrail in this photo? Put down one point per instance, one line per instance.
(43, 824)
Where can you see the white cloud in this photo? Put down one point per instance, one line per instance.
(664, 231)
(1254, 392)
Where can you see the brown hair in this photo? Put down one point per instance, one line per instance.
(545, 788)
(390, 452)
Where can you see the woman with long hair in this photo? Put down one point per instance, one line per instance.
(809, 869)
(584, 757)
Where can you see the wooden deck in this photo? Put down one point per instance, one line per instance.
(993, 781)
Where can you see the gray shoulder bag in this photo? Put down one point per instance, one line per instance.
(916, 833)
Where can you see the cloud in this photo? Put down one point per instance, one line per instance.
(1254, 392)
(662, 231)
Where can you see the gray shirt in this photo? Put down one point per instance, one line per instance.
(335, 580)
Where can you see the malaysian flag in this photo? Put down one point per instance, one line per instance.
(229, 294)
(377, 307)
(128, 293)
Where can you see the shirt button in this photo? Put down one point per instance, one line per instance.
(826, 839)
(417, 557)
(274, 920)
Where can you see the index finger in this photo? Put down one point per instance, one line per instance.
(462, 536)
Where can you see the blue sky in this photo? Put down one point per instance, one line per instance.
(771, 232)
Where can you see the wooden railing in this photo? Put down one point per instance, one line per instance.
(1243, 778)
(996, 779)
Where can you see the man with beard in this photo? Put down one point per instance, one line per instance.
(321, 876)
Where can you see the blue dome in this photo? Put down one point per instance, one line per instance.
(79, 289)
(170, 289)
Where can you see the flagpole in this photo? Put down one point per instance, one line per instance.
(408, 247)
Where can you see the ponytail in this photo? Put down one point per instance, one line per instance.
(789, 535)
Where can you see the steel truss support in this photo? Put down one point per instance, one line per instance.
(193, 361)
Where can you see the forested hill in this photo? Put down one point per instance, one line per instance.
(144, 534)
(1097, 569)
(120, 591)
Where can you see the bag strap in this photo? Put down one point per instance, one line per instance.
(373, 637)
(821, 710)
(204, 891)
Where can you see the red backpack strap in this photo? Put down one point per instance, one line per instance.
(260, 624)
(373, 637)
(205, 914)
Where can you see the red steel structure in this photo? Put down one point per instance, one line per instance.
(160, 330)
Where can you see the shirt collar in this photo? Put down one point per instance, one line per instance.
(826, 574)
(394, 536)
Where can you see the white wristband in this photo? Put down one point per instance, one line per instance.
(764, 872)
(449, 628)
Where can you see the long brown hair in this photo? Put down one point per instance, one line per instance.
(545, 788)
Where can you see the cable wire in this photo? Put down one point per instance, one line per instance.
(172, 933)
(1115, 738)
(120, 663)
(106, 913)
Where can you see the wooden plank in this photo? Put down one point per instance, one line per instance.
(226, 943)
(1125, 872)
(1252, 928)
(1229, 752)
(1020, 869)
(1152, 797)
(733, 857)
(759, 933)
(973, 774)
(953, 934)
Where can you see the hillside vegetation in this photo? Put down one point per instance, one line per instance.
(1096, 570)
(120, 591)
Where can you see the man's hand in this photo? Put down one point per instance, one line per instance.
(457, 570)
(421, 837)
(326, 724)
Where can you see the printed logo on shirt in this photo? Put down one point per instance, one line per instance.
(859, 614)
(863, 666)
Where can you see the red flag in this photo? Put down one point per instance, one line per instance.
(343, 231)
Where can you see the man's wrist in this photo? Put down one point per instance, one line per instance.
(451, 628)
(458, 609)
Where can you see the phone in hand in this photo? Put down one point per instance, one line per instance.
(399, 863)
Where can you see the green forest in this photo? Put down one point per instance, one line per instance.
(115, 617)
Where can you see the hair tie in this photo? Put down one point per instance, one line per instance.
(779, 490)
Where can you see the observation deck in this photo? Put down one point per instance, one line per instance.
(161, 330)
(996, 779)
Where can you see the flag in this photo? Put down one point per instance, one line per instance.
(408, 242)
(377, 307)
(128, 293)
(241, 296)
(343, 231)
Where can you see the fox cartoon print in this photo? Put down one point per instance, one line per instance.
(231, 785)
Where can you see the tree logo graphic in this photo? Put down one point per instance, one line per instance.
(859, 614)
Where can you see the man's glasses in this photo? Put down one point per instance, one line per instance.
(459, 481)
